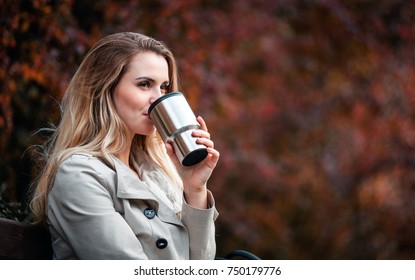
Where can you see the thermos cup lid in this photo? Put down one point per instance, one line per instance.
(158, 100)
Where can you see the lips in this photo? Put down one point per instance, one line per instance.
(147, 115)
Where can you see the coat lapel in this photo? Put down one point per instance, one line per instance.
(130, 187)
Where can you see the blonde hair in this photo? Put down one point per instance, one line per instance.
(89, 121)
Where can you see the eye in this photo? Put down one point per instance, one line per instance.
(144, 84)
(165, 88)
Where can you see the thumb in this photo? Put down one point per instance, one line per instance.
(172, 154)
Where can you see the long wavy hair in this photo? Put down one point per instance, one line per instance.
(89, 122)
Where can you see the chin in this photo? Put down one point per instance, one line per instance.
(148, 132)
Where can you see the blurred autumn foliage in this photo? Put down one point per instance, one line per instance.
(311, 104)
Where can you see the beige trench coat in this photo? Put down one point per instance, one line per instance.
(95, 212)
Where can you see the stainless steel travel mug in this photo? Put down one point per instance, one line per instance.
(174, 121)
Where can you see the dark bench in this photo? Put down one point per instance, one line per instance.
(24, 241)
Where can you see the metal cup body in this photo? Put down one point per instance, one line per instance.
(174, 121)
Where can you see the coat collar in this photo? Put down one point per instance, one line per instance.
(130, 187)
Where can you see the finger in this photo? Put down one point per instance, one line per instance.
(212, 158)
(201, 133)
(202, 123)
(205, 141)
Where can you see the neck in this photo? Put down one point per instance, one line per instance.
(124, 155)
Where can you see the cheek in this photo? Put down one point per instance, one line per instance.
(122, 100)
(129, 105)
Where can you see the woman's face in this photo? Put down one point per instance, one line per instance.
(146, 79)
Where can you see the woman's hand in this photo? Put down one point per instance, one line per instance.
(195, 177)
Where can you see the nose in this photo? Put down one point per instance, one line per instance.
(152, 99)
(155, 95)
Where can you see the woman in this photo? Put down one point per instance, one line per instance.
(111, 189)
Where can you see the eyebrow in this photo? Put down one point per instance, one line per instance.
(145, 78)
(150, 79)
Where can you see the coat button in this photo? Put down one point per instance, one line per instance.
(161, 243)
(149, 213)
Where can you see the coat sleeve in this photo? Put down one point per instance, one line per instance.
(81, 210)
(201, 226)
